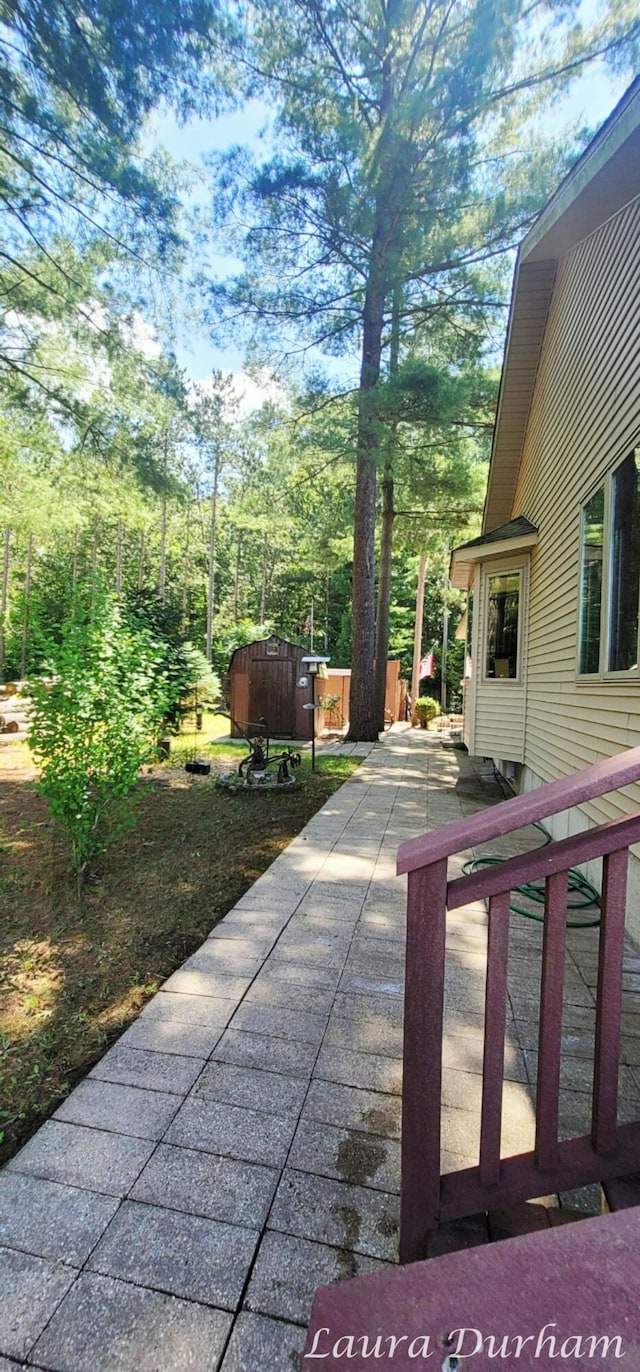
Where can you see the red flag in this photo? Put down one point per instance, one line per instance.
(427, 665)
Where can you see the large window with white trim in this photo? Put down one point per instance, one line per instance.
(625, 566)
(591, 582)
(610, 574)
(503, 624)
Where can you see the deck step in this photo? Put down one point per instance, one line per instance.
(457, 1235)
(511, 1223)
(621, 1193)
(583, 1281)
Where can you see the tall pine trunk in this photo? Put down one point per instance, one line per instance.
(25, 616)
(94, 552)
(74, 566)
(119, 558)
(445, 640)
(4, 597)
(384, 591)
(263, 585)
(236, 580)
(94, 563)
(386, 537)
(141, 563)
(211, 589)
(162, 574)
(363, 721)
(417, 637)
(186, 568)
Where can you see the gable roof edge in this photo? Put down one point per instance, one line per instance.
(603, 180)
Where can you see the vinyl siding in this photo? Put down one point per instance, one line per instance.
(584, 418)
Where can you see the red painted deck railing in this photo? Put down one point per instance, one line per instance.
(428, 1198)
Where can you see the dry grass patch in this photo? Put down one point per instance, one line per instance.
(74, 974)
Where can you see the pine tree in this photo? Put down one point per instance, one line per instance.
(405, 158)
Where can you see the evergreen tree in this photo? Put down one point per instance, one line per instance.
(405, 160)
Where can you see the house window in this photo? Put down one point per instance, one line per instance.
(625, 566)
(503, 620)
(591, 582)
(610, 573)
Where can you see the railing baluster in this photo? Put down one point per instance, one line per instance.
(550, 1036)
(494, 1030)
(427, 1198)
(422, 1072)
(604, 1126)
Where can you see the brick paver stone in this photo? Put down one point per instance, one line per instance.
(239, 1146)
(31, 1288)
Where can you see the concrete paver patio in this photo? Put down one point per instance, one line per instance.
(239, 1145)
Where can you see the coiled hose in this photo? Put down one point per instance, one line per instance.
(581, 894)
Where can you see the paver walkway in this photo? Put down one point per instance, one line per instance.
(239, 1145)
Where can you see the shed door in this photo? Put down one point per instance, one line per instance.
(271, 693)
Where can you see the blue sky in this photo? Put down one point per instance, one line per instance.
(191, 143)
(591, 100)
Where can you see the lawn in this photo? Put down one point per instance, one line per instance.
(74, 974)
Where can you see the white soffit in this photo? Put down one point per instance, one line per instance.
(464, 560)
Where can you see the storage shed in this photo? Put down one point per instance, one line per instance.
(268, 680)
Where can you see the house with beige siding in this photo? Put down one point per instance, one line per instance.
(554, 580)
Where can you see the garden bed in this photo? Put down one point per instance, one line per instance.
(74, 974)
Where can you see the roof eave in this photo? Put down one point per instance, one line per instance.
(464, 559)
(601, 183)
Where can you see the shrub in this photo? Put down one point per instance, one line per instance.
(190, 678)
(96, 722)
(427, 709)
(236, 636)
(193, 683)
(332, 705)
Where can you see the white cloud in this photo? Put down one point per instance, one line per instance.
(246, 393)
(141, 336)
(252, 391)
(95, 315)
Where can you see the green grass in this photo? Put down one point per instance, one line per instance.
(191, 741)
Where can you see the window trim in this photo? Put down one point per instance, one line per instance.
(629, 674)
(490, 570)
(603, 484)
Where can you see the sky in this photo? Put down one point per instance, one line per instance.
(591, 101)
(191, 143)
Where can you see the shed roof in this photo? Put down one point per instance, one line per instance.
(604, 179)
(257, 642)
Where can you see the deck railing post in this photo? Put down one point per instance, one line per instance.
(422, 1071)
(604, 1129)
(494, 1032)
(550, 1035)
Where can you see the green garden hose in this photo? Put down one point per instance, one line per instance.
(584, 894)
